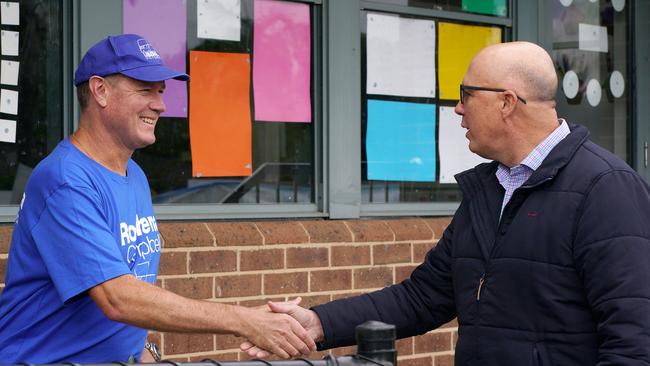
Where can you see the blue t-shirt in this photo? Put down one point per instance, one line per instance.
(79, 225)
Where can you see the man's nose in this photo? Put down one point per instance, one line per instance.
(459, 109)
(158, 104)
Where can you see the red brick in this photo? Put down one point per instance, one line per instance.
(220, 357)
(410, 229)
(309, 301)
(403, 272)
(5, 238)
(227, 341)
(178, 343)
(260, 302)
(172, 263)
(237, 285)
(454, 339)
(235, 233)
(263, 259)
(282, 232)
(154, 337)
(420, 251)
(438, 225)
(451, 324)
(350, 255)
(285, 283)
(327, 231)
(193, 287)
(307, 257)
(443, 360)
(186, 234)
(420, 361)
(331, 280)
(433, 342)
(370, 230)
(373, 277)
(404, 346)
(3, 269)
(391, 253)
(174, 359)
(344, 351)
(213, 261)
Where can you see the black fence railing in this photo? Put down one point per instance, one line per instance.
(375, 347)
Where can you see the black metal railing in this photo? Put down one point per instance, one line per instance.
(375, 347)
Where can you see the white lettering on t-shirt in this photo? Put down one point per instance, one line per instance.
(130, 233)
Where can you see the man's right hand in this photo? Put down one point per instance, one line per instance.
(307, 318)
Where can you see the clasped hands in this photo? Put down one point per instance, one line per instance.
(301, 341)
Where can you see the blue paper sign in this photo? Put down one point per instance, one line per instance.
(401, 141)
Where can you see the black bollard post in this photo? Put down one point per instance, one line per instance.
(376, 340)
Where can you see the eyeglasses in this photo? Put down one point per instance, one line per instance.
(469, 87)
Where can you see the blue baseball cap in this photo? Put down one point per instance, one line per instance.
(126, 54)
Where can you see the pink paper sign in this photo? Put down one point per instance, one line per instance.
(282, 61)
(163, 23)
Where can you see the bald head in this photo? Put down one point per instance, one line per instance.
(524, 66)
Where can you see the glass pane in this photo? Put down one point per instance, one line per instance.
(487, 7)
(411, 140)
(590, 50)
(278, 153)
(38, 121)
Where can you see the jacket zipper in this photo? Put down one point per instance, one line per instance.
(480, 285)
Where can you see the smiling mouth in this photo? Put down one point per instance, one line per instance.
(149, 121)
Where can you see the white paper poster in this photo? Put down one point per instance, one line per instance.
(594, 92)
(592, 38)
(455, 156)
(401, 56)
(9, 72)
(9, 13)
(570, 84)
(9, 41)
(618, 5)
(8, 101)
(218, 19)
(617, 84)
(7, 131)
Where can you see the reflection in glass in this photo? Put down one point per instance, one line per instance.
(39, 124)
(282, 152)
(590, 51)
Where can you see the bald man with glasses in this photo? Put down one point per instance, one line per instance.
(545, 260)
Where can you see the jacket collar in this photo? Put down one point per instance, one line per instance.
(475, 180)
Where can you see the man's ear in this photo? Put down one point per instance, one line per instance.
(99, 90)
(509, 103)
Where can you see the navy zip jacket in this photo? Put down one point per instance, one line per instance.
(563, 278)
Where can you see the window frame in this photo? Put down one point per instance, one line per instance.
(337, 77)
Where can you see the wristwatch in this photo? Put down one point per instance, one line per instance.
(153, 349)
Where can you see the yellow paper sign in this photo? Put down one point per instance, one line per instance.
(457, 44)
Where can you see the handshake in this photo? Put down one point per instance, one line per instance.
(285, 329)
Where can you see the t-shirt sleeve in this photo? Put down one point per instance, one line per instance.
(75, 242)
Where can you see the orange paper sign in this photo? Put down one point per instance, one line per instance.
(220, 115)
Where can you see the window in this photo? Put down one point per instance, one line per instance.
(31, 106)
(243, 130)
(591, 54)
(488, 7)
(411, 140)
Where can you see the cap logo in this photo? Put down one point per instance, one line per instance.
(147, 51)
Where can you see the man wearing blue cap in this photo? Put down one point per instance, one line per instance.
(85, 249)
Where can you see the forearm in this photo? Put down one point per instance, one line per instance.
(128, 300)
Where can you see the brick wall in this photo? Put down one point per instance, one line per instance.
(248, 263)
